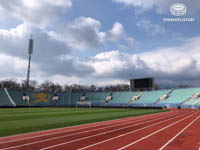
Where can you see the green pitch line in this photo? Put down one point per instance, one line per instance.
(24, 120)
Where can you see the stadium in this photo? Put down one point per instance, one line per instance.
(166, 98)
(97, 120)
(101, 75)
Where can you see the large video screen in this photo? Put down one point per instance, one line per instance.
(142, 83)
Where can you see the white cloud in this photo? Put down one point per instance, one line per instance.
(137, 3)
(116, 33)
(106, 63)
(52, 60)
(85, 33)
(176, 64)
(40, 13)
(148, 26)
(15, 42)
(111, 82)
(12, 67)
(51, 56)
(20, 31)
(66, 80)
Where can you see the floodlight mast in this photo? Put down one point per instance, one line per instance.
(30, 51)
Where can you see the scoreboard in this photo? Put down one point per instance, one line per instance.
(142, 84)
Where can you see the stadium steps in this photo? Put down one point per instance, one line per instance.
(161, 98)
(192, 102)
(198, 103)
(135, 98)
(193, 97)
(4, 100)
(17, 98)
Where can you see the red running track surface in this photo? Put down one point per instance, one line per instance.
(174, 130)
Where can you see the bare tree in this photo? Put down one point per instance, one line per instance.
(10, 84)
(184, 86)
(32, 85)
(156, 87)
(46, 86)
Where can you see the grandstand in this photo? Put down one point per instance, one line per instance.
(180, 95)
(193, 102)
(150, 97)
(121, 99)
(96, 97)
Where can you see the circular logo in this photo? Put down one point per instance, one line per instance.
(178, 9)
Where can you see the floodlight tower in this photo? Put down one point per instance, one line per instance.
(30, 51)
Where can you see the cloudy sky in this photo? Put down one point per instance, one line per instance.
(100, 41)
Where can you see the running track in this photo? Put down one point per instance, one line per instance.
(174, 130)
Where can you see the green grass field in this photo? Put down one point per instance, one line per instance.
(23, 120)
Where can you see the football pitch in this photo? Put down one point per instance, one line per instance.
(24, 120)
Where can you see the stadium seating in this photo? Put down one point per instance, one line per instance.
(36, 98)
(198, 104)
(122, 97)
(151, 96)
(147, 98)
(17, 98)
(97, 98)
(74, 97)
(193, 102)
(180, 95)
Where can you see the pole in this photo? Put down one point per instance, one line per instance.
(28, 73)
(30, 51)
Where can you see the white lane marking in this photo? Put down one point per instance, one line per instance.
(126, 134)
(108, 122)
(79, 133)
(199, 147)
(179, 132)
(102, 133)
(145, 137)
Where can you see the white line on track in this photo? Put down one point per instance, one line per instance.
(145, 137)
(86, 132)
(180, 132)
(126, 133)
(100, 134)
(137, 118)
